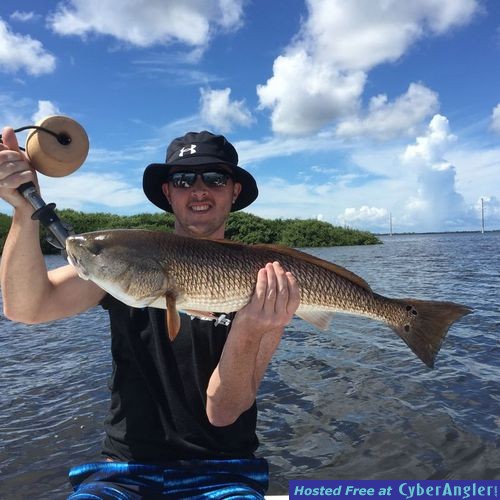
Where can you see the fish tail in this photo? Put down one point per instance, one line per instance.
(426, 325)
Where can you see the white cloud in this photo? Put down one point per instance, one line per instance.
(281, 197)
(361, 34)
(321, 76)
(385, 120)
(148, 22)
(274, 147)
(23, 16)
(429, 149)
(433, 187)
(364, 216)
(174, 67)
(45, 108)
(18, 112)
(495, 119)
(437, 204)
(218, 110)
(305, 94)
(231, 12)
(477, 170)
(85, 190)
(21, 52)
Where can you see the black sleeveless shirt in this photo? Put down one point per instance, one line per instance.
(158, 390)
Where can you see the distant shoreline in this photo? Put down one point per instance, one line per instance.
(241, 226)
(439, 232)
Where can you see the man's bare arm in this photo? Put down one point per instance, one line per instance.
(30, 293)
(251, 343)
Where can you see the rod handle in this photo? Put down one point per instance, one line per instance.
(45, 213)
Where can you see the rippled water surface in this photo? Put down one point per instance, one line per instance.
(353, 402)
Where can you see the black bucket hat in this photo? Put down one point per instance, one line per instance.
(197, 150)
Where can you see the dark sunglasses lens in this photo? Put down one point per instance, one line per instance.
(183, 179)
(215, 179)
(187, 179)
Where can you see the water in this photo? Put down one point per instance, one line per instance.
(350, 403)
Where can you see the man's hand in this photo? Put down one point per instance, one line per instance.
(14, 169)
(273, 304)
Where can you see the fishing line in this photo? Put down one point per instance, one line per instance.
(62, 137)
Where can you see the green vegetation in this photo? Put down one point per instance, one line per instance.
(241, 226)
(4, 228)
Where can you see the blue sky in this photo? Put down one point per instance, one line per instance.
(344, 110)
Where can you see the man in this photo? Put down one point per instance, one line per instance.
(182, 416)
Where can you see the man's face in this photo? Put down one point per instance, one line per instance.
(201, 210)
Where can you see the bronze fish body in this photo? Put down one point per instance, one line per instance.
(156, 269)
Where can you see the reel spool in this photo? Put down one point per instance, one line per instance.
(57, 146)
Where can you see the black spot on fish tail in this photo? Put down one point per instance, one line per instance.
(426, 324)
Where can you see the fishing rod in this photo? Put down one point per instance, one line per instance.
(56, 147)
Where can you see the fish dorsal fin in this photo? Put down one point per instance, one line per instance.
(311, 259)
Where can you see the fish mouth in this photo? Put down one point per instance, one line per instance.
(73, 261)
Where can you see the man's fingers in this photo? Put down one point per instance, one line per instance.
(269, 305)
(259, 296)
(9, 139)
(14, 169)
(276, 291)
(282, 293)
(14, 180)
(293, 293)
(11, 163)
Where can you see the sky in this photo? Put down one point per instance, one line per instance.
(354, 112)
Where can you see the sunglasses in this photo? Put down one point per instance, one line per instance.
(211, 179)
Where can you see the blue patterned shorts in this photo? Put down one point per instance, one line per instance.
(193, 479)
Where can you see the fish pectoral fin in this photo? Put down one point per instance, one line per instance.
(172, 318)
(320, 319)
(200, 314)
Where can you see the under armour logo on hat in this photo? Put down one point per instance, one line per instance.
(201, 148)
(191, 149)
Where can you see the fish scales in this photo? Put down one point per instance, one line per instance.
(206, 273)
(147, 268)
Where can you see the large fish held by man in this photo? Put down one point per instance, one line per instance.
(156, 269)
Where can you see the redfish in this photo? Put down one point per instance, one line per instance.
(156, 269)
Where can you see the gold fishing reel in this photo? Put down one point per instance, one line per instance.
(56, 147)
